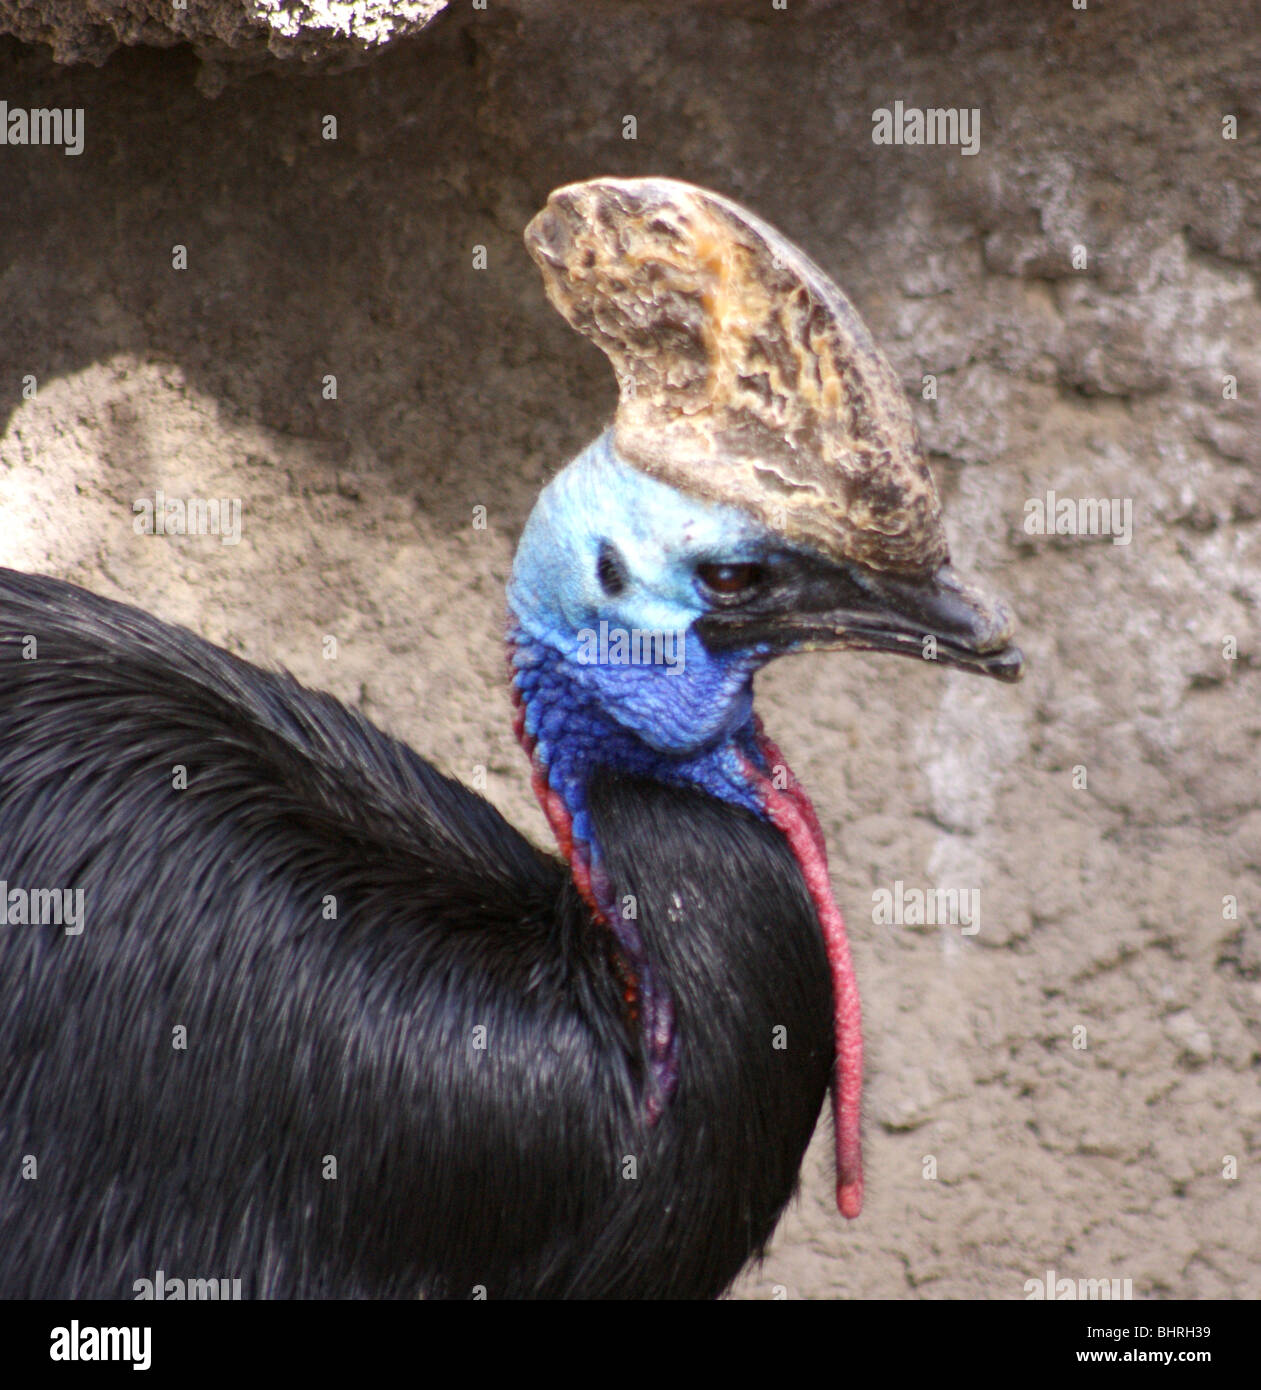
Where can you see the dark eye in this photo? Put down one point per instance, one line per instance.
(730, 581)
(610, 569)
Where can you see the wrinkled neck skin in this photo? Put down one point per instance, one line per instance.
(684, 718)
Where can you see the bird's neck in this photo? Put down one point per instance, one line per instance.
(568, 735)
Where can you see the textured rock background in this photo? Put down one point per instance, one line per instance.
(1102, 907)
(228, 35)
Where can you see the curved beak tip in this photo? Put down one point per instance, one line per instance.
(1006, 665)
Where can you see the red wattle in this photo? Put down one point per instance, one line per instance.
(775, 759)
(790, 811)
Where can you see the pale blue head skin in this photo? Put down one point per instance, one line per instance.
(687, 700)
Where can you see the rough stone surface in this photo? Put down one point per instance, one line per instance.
(319, 33)
(1082, 1069)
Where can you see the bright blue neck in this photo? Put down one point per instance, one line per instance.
(570, 735)
(574, 733)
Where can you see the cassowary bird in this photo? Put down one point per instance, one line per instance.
(284, 1004)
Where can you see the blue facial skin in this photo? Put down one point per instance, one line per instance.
(583, 705)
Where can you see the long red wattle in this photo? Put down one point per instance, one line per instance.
(790, 811)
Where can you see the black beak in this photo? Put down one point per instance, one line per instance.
(807, 604)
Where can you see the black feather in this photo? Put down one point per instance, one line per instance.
(352, 1035)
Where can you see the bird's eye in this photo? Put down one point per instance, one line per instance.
(730, 581)
(610, 569)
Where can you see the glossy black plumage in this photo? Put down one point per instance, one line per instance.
(206, 908)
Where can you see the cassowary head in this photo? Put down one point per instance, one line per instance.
(762, 490)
